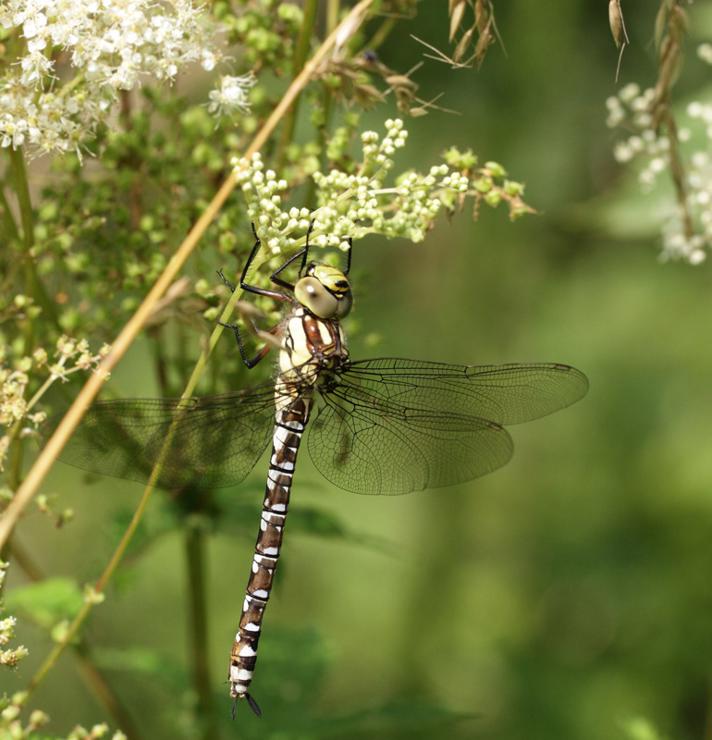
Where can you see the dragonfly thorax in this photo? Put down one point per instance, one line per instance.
(324, 291)
(310, 345)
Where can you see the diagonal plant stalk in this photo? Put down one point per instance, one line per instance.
(48, 456)
(91, 388)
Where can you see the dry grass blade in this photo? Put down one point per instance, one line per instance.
(482, 31)
(457, 13)
(670, 31)
(618, 30)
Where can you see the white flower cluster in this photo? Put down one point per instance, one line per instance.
(8, 656)
(231, 94)
(351, 205)
(650, 150)
(110, 44)
(18, 414)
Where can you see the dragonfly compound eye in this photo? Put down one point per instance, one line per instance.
(315, 297)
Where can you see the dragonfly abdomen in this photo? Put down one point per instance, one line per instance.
(290, 422)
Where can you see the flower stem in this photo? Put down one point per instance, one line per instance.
(300, 55)
(332, 14)
(10, 227)
(71, 419)
(198, 626)
(33, 285)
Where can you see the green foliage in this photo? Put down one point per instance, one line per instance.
(48, 602)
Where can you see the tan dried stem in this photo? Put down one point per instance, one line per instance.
(670, 32)
(91, 388)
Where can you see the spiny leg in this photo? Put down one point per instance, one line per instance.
(348, 256)
(303, 253)
(245, 285)
(250, 362)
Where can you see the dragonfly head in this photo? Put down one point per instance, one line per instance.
(324, 291)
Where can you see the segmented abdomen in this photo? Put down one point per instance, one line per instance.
(289, 427)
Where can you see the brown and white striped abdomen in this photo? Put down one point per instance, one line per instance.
(289, 427)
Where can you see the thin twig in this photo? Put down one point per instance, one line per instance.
(91, 388)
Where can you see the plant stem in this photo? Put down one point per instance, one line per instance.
(54, 446)
(678, 174)
(10, 227)
(381, 34)
(198, 625)
(22, 190)
(300, 54)
(103, 691)
(33, 285)
(332, 14)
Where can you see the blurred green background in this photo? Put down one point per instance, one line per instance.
(569, 595)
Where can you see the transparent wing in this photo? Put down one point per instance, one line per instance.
(391, 426)
(213, 441)
(506, 394)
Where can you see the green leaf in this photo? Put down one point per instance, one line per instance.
(47, 602)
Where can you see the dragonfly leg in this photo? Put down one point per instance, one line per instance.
(250, 362)
(303, 253)
(227, 282)
(253, 288)
(274, 277)
(348, 256)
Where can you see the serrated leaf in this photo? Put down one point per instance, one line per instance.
(46, 602)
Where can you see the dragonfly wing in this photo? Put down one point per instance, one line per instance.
(506, 394)
(364, 445)
(209, 442)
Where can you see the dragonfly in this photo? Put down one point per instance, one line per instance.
(382, 426)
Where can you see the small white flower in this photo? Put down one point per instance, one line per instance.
(231, 94)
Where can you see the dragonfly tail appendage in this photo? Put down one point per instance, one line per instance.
(290, 422)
